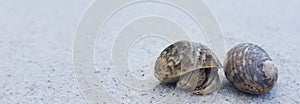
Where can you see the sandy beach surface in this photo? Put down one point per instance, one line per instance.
(36, 43)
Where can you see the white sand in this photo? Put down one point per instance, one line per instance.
(36, 50)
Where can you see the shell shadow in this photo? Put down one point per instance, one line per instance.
(228, 89)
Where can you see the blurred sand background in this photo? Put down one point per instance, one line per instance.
(36, 39)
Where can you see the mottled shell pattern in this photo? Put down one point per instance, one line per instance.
(191, 65)
(250, 69)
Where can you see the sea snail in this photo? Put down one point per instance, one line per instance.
(193, 66)
(250, 69)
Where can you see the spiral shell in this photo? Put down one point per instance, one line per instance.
(191, 65)
(250, 69)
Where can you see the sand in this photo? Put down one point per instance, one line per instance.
(36, 43)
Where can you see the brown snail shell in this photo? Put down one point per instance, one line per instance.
(191, 65)
(250, 69)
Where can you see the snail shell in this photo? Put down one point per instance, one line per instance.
(250, 69)
(191, 65)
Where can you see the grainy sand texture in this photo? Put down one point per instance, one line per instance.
(36, 52)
